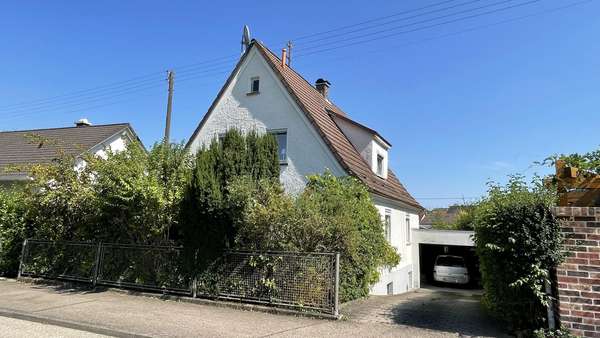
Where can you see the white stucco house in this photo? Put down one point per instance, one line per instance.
(264, 94)
(38, 146)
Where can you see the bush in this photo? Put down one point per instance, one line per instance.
(518, 242)
(12, 231)
(208, 215)
(331, 215)
(128, 197)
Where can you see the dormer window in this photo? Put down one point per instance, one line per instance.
(380, 160)
(254, 86)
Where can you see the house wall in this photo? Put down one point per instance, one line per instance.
(360, 139)
(115, 143)
(272, 108)
(578, 278)
(398, 275)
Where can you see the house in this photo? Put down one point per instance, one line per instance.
(441, 216)
(264, 94)
(39, 146)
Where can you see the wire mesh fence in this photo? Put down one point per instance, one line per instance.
(307, 280)
(292, 279)
(142, 266)
(67, 260)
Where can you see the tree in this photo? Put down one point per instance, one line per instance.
(208, 215)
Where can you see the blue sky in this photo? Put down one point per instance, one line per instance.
(462, 103)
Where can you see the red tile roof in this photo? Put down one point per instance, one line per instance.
(316, 108)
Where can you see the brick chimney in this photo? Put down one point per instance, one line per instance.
(322, 87)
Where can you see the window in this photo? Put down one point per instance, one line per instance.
(390, 288)
(379, 165)
(254, 85)
(281, 138)
(388, 225)
(407, 230)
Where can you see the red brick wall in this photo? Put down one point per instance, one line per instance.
(579, 276)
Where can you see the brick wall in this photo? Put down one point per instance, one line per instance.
(579, 276)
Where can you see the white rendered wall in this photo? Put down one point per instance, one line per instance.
(398, 275)
(271, 109)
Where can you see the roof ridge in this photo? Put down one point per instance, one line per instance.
(71, 127)
(288, 66)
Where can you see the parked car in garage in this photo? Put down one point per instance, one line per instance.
(450, 269)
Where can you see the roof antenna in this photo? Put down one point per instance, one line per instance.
(245, 39)
(289, 54)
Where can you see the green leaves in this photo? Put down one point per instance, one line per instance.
(333, 214)
(518, 242)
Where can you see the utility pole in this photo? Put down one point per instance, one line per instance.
(170, 78)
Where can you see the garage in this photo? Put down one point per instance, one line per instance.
(448, 245)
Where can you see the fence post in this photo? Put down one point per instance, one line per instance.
(22, 258)
(336, 310)
(97, 264)
(195, 286)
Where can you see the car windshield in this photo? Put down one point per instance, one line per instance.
(450, 261)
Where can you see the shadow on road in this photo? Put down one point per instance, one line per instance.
(448, 312)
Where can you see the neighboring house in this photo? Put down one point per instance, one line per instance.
(441, 216)
(313, 134)
(39, 146)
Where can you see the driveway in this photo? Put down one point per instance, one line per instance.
(439, 309)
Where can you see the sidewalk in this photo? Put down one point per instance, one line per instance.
(116, 314)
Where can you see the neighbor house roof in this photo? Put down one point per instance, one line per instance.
(320, 112)
(38, 146)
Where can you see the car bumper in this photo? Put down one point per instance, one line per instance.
(451, 279)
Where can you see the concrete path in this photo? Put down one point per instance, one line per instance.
(439, 309)
(17, 328)
(121, 315)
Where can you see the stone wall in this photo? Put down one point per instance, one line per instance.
(579, 276)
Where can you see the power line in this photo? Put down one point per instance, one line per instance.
(104, 97)
(329, 37)
(412, 30)
(437, 37)
(371, 20)
(84, 107)
(107, 93)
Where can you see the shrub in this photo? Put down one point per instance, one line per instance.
(208, 215)
(12, 231)
(518, 242)
(331, 215)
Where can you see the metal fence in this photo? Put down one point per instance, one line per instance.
(292, 279)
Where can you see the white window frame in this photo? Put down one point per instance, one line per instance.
(377, 168)
(252, 80)
(276, 132)
(408, 232)
(387, 223)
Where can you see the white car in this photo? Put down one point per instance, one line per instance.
(450, 269)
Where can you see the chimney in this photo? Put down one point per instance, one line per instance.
(82, 123)
(322, 87)
(283, 57)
